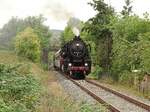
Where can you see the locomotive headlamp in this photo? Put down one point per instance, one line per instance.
(86, 64)
(70, 64)
(77, 44)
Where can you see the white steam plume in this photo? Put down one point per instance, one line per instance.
(57, 11)
(76, 31)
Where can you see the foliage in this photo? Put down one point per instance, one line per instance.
(126, 79)
(16, 25)
(90, 108)
(97, 25)
(27, 44)
(43, 32)
(97, 72)
(55, 40)
(9, 31)
(100, 33)
(67, 35)
(18, 92)
(127, 9)
(130, 44)
(144, 51)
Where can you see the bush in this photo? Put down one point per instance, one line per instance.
(144, 51)
(97, 73)
(27, 44)
(18, 92)
(127, 78)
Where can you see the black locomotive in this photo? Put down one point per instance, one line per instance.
(74, 58)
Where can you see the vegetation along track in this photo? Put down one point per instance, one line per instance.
(116, 102)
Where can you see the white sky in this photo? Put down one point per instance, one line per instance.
(58, 12)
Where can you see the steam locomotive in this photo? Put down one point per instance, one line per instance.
(74, 58)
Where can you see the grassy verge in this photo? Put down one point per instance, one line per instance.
(52, 96)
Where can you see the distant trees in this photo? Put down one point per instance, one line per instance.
(67, 34)
(27, 44)
(9, 31)
(43, 33)
(16, 25)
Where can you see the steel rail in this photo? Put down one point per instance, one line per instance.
(97, 98)
(127, 98)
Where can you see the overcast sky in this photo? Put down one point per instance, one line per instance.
(58, 12)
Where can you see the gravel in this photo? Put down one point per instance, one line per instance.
(146, 101)
(74, 91)
(119, 103)
(80, 96)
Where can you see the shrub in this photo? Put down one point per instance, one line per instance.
(127, 78)
(27, 44)
(18, 92)
(97, 72)
(144, 51)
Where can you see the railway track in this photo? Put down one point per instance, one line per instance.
(118, 102)
(132, 100)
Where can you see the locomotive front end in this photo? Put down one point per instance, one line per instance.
(80, 61)
(74, 58)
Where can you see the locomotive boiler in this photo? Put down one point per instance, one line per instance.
(74, 58)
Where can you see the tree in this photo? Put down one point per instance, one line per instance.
(144, 51)
(127, 9)
(9, 31)
(43, 32)
(27, 44)
(130, 45)
(100, 33)
(16, 25)
(67, 34)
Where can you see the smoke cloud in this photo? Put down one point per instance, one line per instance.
(76, 31)
(58, 11)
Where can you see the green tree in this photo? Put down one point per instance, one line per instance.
(43, 32)
(144, 51)
(67, 34)
(130, 45)
(100, 33)
(16, 25)
(127, 9)
(27, 44)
